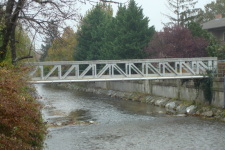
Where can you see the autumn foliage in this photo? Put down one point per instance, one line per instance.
(21, 124)
(176, 42)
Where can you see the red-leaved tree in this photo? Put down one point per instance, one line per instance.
(176, 42)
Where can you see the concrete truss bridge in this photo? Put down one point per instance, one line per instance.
(114, 70)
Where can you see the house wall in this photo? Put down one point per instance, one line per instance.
(218, 34)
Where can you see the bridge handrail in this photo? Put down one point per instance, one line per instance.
(123, 61)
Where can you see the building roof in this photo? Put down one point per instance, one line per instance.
(217, 23)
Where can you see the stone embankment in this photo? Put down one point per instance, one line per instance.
(173, 106)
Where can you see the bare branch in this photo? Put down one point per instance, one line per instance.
(24, 57)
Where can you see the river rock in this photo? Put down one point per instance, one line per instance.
(58, 123)
(160, 102)
(129, 96)
(152, 101)
(208, 114)
(214, 110)
(109, 92)
(170, 105)
(198, 113)
(91, 122)
(205, 109)
(181, 109)
(218, 113)
(191, 109)
(124, 94)
(147, 99)
(181, 115)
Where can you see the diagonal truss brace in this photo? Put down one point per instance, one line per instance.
(53, 69)
(70, 69)
(103, 70)
(170, 68)
(183, 64)
(136, 69)
(114, 66)
(85, 71)
(152, 68)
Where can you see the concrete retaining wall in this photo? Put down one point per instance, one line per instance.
(167, 88)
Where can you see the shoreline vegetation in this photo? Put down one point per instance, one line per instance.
(21, 122)
(173, 106)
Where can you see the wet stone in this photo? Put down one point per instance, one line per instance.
(170, 105)
(153, 100)
(191, 109)
(207, 114)
(205, 109)
(110, 92)
(159, 102)
(181, 109)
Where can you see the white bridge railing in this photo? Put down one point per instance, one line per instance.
(111, 70)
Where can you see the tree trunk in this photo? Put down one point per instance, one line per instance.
(10, 20)
(13, 45)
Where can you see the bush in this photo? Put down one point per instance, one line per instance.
(21, 123)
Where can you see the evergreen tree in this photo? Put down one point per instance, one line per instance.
(182, 10)
(133, 33)
(91, 33)
(109, 35)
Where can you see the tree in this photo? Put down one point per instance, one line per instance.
(197, 31)
(63, 47)
(109, 35)
(34, 14)
(176, 42)
(133, 32)
(91, 33)
(182, 10)
(23, 46)
(51, 34)
(212, 9)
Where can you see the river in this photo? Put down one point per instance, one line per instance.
(105, 123)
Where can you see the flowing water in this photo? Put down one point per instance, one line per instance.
(97, 122)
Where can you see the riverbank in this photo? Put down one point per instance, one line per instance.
(21, 123)
(173, 106)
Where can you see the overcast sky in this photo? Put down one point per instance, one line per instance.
(151, 8)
